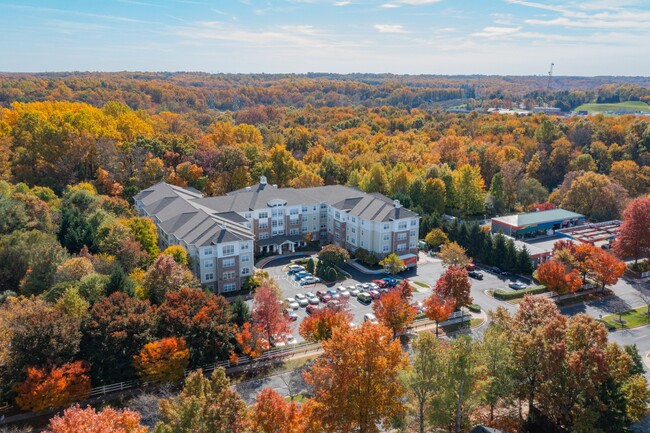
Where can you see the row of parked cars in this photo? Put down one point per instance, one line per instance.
(301, 275)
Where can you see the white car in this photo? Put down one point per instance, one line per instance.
(354, 291)
(301, 300)
(309, 280)
(312, 298)
(369, 317)
(291, 303)
(374, 286)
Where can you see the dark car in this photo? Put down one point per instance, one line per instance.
(496, 270)
(475, 274)
(364, 298)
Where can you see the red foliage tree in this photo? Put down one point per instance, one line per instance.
(606, 269)
(557, 278)
(76, 420)
(202, 319)
(634, 238)
(268, 315)
(438, 308)
(250, 342)
(51, 388)
(273, 414)
(455, 284)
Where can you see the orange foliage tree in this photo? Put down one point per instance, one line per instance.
(438, 308)
(356, 380)
(320, 324)
(250, 342)
(394, 310)
(50, 388)
(109, 420)
(605, 268)
(163, 360)
(273, 414)
(268, 314)
(557, 278)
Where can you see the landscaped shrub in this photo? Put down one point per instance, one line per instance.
(503, 295)
(474, 308)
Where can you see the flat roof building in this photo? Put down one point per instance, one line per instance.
(521, 225)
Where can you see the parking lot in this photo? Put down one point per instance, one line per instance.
(428, 271)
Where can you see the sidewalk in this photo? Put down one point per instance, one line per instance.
(266, 260)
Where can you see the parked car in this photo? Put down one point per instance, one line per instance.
(380, 283)
(470, 267)
(287, 340)
(359, 287)
(374, 286)
(324, 295)
(354, 291)
(302, 274)
(294, 269)
(496, 270)
(517, 285)
(374, 293)
(309, 280)
(366, 286)
(334, 305)
(390, 282)
(291, 315)
(475, 274)
(369, 317)
(312, 298)
(313, 308)
(364, 298)
(301, 299)
(344, 293)
(291, 303)
(334, 294)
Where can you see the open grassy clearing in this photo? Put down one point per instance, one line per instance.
(626, 106)
(637, 317)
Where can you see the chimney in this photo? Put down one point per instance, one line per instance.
(262, 180)
(397, 204)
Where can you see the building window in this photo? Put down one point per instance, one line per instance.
(323, 206)
(305, 218)
(386, 248)
(386, 236)
(414, 223)
(209, 276)
(229, 275)
(354, 220)
(293, 232)
(293, 221)
(412, 233)
(228, 250)
(208, 264)
(245, 271)
(264, 225)
(386, 226)
(245, 258)
(361, 243)
(305, 209)
(207, 252)
(337, 215)
(401, 236)
(264, 215)
(293, 211)
(264, 235)
(243, 247)
(412, 244)
(305, 228)
(401, 247)
(353, 230)
(230, 287)
(228, 263)
(248, 215)
(313, 228)
(401, 226)
(354, 242)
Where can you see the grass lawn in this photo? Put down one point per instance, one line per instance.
(300, 398)
(626, 106)
(636, 317)
(421, 284)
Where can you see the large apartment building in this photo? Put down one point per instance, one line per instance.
(221, 233)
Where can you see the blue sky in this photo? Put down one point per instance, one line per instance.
(514, 37)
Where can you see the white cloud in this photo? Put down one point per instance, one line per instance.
(497, 32)
(342, 3)
(418, 2)
(390, 28)
(389, 6)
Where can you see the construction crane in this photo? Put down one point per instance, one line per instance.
(550, 76)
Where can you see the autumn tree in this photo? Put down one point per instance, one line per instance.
(360, 368)
(251, 343)
(268, 315)
(145, 232)
(496, 356)
(595, 196)
(178, 253)
(204, 406)
(436, 237)
(453, 254)
(163, 360)
(54, 387)
(392, 263)
(394, 310)
(319, 325)
(108, 420)
(558, 278)
(333, 255)
(454, 284)
(165, 275)
(271, 413)
(114, 332)
(605, 268)
(438, 308)
(634, 238)
(469, 189)
(202, 319)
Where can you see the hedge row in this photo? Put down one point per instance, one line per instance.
(503, 295)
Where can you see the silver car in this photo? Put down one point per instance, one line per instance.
(301, 300)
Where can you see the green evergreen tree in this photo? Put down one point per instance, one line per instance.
(119, 282)
(524, 262)
(240, 312)
(499, 250)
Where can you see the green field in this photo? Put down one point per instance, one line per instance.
(631, 106)
(632, 318)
